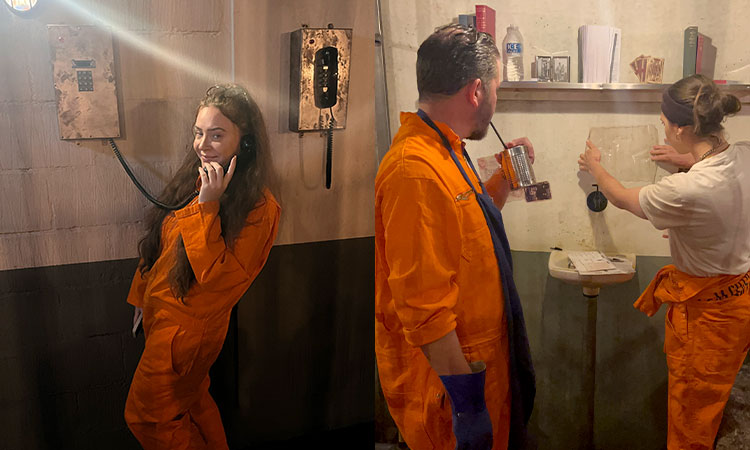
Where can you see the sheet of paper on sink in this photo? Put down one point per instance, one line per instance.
(622, 266)
(593, 263)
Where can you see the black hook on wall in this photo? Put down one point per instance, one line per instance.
(596, 201)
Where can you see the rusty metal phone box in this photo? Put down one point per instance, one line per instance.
(319, 83)
(84, 80)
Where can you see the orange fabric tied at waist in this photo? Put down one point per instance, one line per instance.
(706, 339)
(672, 286)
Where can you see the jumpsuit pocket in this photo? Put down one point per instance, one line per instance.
(477, 245)
(470, 215)
(718, 341)
(184, 348)
(437, 419)
(676, 339)
(475, 235)
(722, 366)
(676, 322)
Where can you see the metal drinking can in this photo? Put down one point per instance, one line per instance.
(517, 168)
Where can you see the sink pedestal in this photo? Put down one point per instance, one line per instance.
(590, 284)
(589, 365)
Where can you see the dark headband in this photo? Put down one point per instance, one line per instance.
(675, 112)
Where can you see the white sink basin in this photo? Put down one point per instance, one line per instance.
(560, 268)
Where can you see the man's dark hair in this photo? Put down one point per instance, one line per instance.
(451, 57)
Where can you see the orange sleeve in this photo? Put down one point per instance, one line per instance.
(422, 251)
(137, 290)
(211, 260)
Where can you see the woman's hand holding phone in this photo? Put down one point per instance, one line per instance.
(214, 181)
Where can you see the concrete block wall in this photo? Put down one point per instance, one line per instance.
(72, 201)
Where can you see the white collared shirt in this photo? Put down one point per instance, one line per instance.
(707, 212)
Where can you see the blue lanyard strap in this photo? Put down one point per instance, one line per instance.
(522, 378)
(423, 115)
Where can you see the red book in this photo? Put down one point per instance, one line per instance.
(486, 20)
(705, 56)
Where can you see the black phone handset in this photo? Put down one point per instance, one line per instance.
(326, 77)
(325, 83)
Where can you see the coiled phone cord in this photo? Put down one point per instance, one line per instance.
(143, 190)
(329, 150)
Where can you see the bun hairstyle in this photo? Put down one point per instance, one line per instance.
(709, 104)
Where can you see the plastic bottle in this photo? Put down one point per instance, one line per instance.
(513, 55)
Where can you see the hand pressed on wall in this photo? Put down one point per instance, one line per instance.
(667, 153)
(589, 158)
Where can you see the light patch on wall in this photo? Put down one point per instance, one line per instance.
(181, 62)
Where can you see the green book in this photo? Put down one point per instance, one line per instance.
(690, 49)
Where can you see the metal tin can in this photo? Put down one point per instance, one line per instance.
(517, 168)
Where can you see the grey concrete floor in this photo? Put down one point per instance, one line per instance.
(734, 433)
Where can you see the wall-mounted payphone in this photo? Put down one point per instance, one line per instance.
(319, 83)
(84, 80)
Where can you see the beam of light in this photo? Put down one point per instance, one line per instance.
(269, 103)
(176, 60)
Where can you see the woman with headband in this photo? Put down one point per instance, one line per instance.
(195, 265)
(707, 212)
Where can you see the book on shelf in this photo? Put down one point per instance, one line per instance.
(599, 54)
(468, 20)
(485, 17)
(689, 51)
(705, 56)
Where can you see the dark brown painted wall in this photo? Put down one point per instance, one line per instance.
(299, 362)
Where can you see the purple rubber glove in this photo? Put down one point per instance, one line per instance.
(471, 421)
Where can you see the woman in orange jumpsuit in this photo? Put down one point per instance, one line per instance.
(195, 265)
(707, 212)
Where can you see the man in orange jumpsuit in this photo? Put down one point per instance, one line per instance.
(448, 321)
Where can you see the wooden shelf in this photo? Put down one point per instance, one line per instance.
(597, 92)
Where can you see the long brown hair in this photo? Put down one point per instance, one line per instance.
(710, 104)
(243, 194)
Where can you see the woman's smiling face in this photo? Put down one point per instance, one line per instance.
(216, 137)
